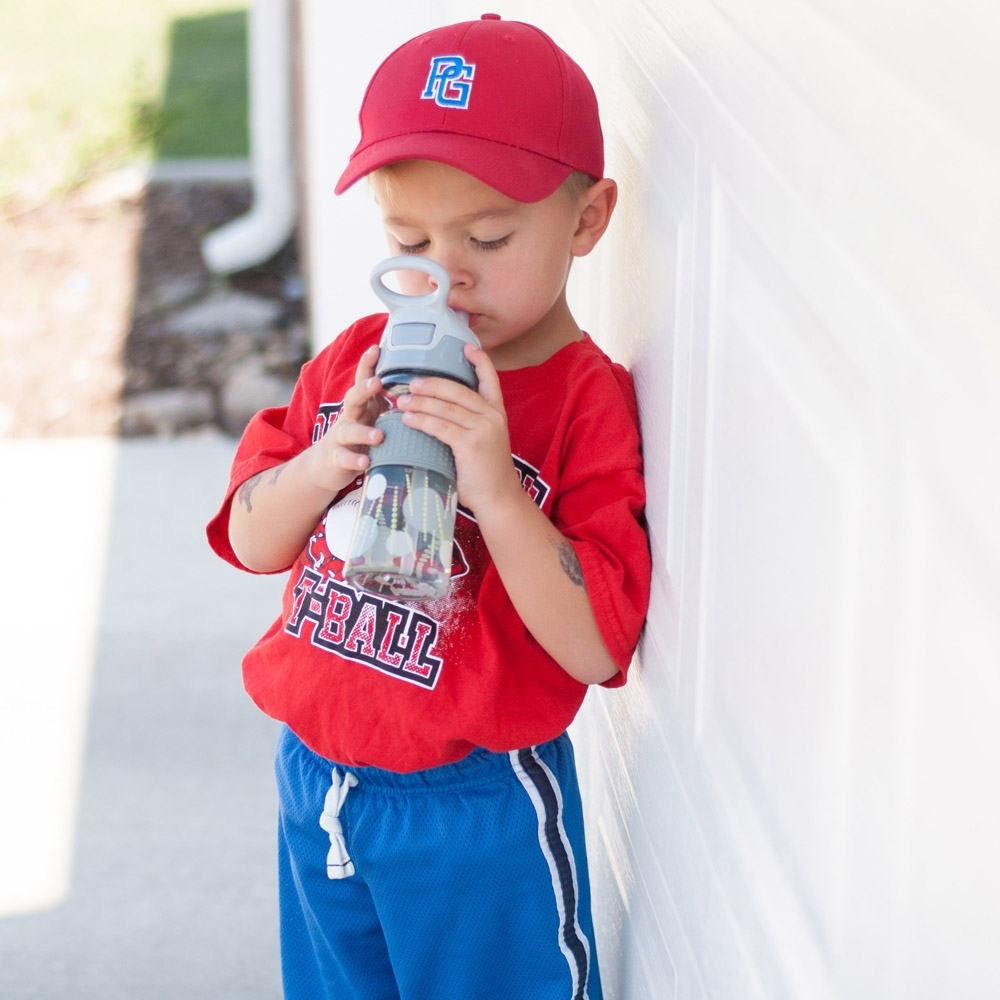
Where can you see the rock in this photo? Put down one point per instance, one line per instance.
(225, 311)
(251, 387)
(166, 412)
(170, 294)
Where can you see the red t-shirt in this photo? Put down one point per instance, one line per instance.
(365, 680)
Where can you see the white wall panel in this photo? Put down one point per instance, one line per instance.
(794, 796)
(952, 868)
(652, 325)
(785, 469)
(834, 336)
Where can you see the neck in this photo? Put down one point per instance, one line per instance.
(537, 345)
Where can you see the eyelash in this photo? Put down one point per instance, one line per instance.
(411, 249)
(488, 245)
(492, 244)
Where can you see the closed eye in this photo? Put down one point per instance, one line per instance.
(412, 248)
(492, 244)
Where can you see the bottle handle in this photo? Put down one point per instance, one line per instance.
(396, 300)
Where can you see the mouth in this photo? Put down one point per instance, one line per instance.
(469, 318)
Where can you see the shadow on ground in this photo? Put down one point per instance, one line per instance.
(173, 891)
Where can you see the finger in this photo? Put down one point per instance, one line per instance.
(349, 443)
(450, 423)
(359, 398)
(417, 411)
(348, 459)
(364, 388)
(366, 364)
(489, 381)
(350, 434)
(426, 390)
(447, 401)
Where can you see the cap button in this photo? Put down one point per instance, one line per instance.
(490, 17)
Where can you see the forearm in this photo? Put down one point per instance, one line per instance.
(542, 576)
(274, 513)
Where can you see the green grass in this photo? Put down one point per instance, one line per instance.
(90, 85)
(205, 103)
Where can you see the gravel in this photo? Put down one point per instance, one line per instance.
(110, 324)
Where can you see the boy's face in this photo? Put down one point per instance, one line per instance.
(508, 261)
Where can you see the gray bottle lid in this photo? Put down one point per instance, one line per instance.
(422, 336)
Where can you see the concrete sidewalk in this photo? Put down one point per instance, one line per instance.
(173, 893)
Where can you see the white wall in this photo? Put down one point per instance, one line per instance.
(796, 794)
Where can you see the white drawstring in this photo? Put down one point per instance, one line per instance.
(338, 864)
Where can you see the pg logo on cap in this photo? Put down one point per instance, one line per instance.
(449, 83)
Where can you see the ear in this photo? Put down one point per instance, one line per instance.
(596, 205)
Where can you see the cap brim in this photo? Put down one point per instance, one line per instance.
(517, 173)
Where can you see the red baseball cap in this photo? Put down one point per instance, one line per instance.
(497, 99)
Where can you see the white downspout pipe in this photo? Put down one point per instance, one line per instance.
(260, 233)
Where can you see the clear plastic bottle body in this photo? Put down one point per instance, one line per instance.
(403, 534)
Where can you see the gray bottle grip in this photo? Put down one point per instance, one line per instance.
(407, 446)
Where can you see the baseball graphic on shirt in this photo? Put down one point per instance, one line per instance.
(329, 546)
(331, 540)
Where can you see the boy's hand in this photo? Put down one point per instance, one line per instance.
(539, 567)
(278, 511)
(342, 452)
(473, 424)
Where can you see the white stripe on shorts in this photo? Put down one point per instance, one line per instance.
(546, 796)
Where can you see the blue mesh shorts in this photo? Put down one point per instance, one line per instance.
(463, 882)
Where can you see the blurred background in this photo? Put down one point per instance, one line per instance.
(125, 142)
(136, 838)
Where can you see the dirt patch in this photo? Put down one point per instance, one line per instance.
(87, 286)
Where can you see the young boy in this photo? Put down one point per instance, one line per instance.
(431, 834)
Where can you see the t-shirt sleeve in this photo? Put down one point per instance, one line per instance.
(274, 436)
(600, 509)
(265, 443)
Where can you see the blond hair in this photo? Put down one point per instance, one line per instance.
(574, 186)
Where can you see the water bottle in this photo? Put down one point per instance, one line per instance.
(403, 535)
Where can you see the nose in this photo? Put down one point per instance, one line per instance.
(456, 268)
